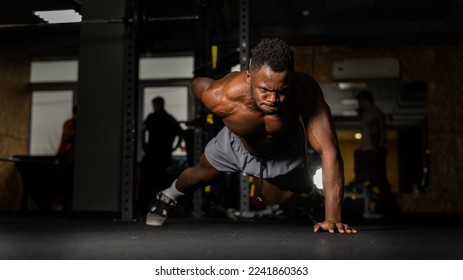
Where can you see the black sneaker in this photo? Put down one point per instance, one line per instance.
(160, 210)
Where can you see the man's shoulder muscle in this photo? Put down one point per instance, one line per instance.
(221, 95)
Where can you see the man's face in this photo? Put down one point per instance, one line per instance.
(269, 89)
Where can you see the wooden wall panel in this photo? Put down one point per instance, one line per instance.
(15, 101)
(303, 59)
(441, 67)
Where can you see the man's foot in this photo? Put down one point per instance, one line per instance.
(160, 210)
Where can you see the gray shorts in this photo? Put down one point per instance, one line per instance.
(286, 168)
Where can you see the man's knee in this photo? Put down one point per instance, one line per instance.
(272, 194)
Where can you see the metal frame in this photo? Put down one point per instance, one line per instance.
(244, 65)
(244, 34)
(129, 115)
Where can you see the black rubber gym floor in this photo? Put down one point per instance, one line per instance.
(56, 237)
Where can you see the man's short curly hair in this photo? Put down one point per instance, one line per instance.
(275, 53)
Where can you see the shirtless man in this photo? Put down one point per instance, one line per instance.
(269, 113)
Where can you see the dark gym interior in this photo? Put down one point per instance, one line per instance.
(408, 53)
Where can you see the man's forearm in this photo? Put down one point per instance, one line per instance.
(333, 186)
(333, 202)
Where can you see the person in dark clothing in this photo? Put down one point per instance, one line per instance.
(370, 155)
(158, 134)
(66, 148)
(66, 158)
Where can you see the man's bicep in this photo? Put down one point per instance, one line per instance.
(320, 130)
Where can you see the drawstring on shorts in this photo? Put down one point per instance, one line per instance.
(261, 178)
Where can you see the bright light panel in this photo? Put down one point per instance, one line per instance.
(318, 179)
(59, 16)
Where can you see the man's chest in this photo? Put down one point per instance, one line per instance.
(248, 125)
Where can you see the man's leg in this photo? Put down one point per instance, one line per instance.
(189, 180)
(294, 192)
(271, 194)
(299, 183)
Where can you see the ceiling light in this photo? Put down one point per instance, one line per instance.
(318, 178)
(59, 16)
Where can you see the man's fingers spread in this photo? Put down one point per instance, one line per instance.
(340, 227)
(347, 228)
(331, 227)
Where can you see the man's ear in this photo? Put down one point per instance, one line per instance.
(248, 76)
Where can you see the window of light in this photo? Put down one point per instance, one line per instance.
(166, 67)
(54, 71)
(50, 109)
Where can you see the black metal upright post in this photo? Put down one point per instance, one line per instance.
(201, 58)
(244, 34)
(129, 112)
(244, 65)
